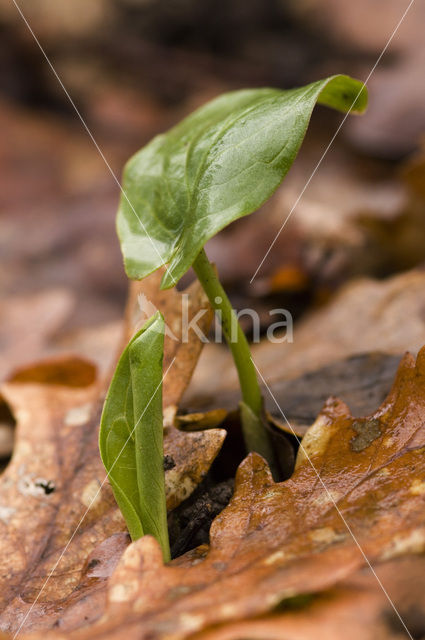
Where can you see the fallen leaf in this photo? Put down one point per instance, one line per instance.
(276, 541)
(26, 324)
(55, 504)
(71, 371)
(54, 476)
(199, 421)
(356, 608)
(181, 342)
(98, 344)
(362, 381)
(364, 316)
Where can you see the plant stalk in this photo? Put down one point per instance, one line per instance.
(255, 435)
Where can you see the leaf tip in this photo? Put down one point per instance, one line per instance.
(255, 470)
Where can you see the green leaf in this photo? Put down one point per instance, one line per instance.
(131, 434)
(219, 164)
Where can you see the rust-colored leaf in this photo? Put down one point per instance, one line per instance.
(70, 371)
(278, 540)
(26, 324)
(356, 608)
(56, 507)
(177, 308)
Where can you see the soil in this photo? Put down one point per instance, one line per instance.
(189, 524)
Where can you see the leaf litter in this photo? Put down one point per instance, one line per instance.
(276, 541)
(56, 507)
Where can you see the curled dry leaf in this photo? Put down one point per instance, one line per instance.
(56, 506)
(178, 309)
(277, 541)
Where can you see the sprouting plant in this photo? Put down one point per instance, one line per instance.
(219, 164)
(131, 435)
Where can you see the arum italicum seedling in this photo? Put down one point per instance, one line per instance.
(219, 164)
(131, 434)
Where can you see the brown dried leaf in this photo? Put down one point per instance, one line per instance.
(70, 371)
(144, 298)
(54, 475)
(26, 324)
(276, 541)
(199, 421)
(366, 315)
(357, 608)
(56, 507)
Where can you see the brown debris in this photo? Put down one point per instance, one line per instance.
(26, 324)
(144, 298)
(56, 506)
(365, 315)
(277, 541)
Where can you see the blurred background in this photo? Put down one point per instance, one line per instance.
(136, 67)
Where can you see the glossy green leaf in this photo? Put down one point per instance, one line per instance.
(219, 164)
(131, 434)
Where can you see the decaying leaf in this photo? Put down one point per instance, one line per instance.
(366, 315)
(56, 506)
(356, 608)
(145, 298)
(277, 541)
(54, 476)
(71, 371)
(26, 324)
(199, 421)
(362, 381)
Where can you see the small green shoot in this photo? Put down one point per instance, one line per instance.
(219, 164)
(131, 435)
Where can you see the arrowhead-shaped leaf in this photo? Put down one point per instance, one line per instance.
(219, 164)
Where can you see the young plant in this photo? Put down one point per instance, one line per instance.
(131, 435)
(219, 164)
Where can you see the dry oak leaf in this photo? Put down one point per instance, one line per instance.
(355, 609)
(278, 540)
(53, 477)
(55, 480)
(55, 486)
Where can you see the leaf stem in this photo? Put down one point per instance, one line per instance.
(255, 435)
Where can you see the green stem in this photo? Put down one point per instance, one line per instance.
(255, 435)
